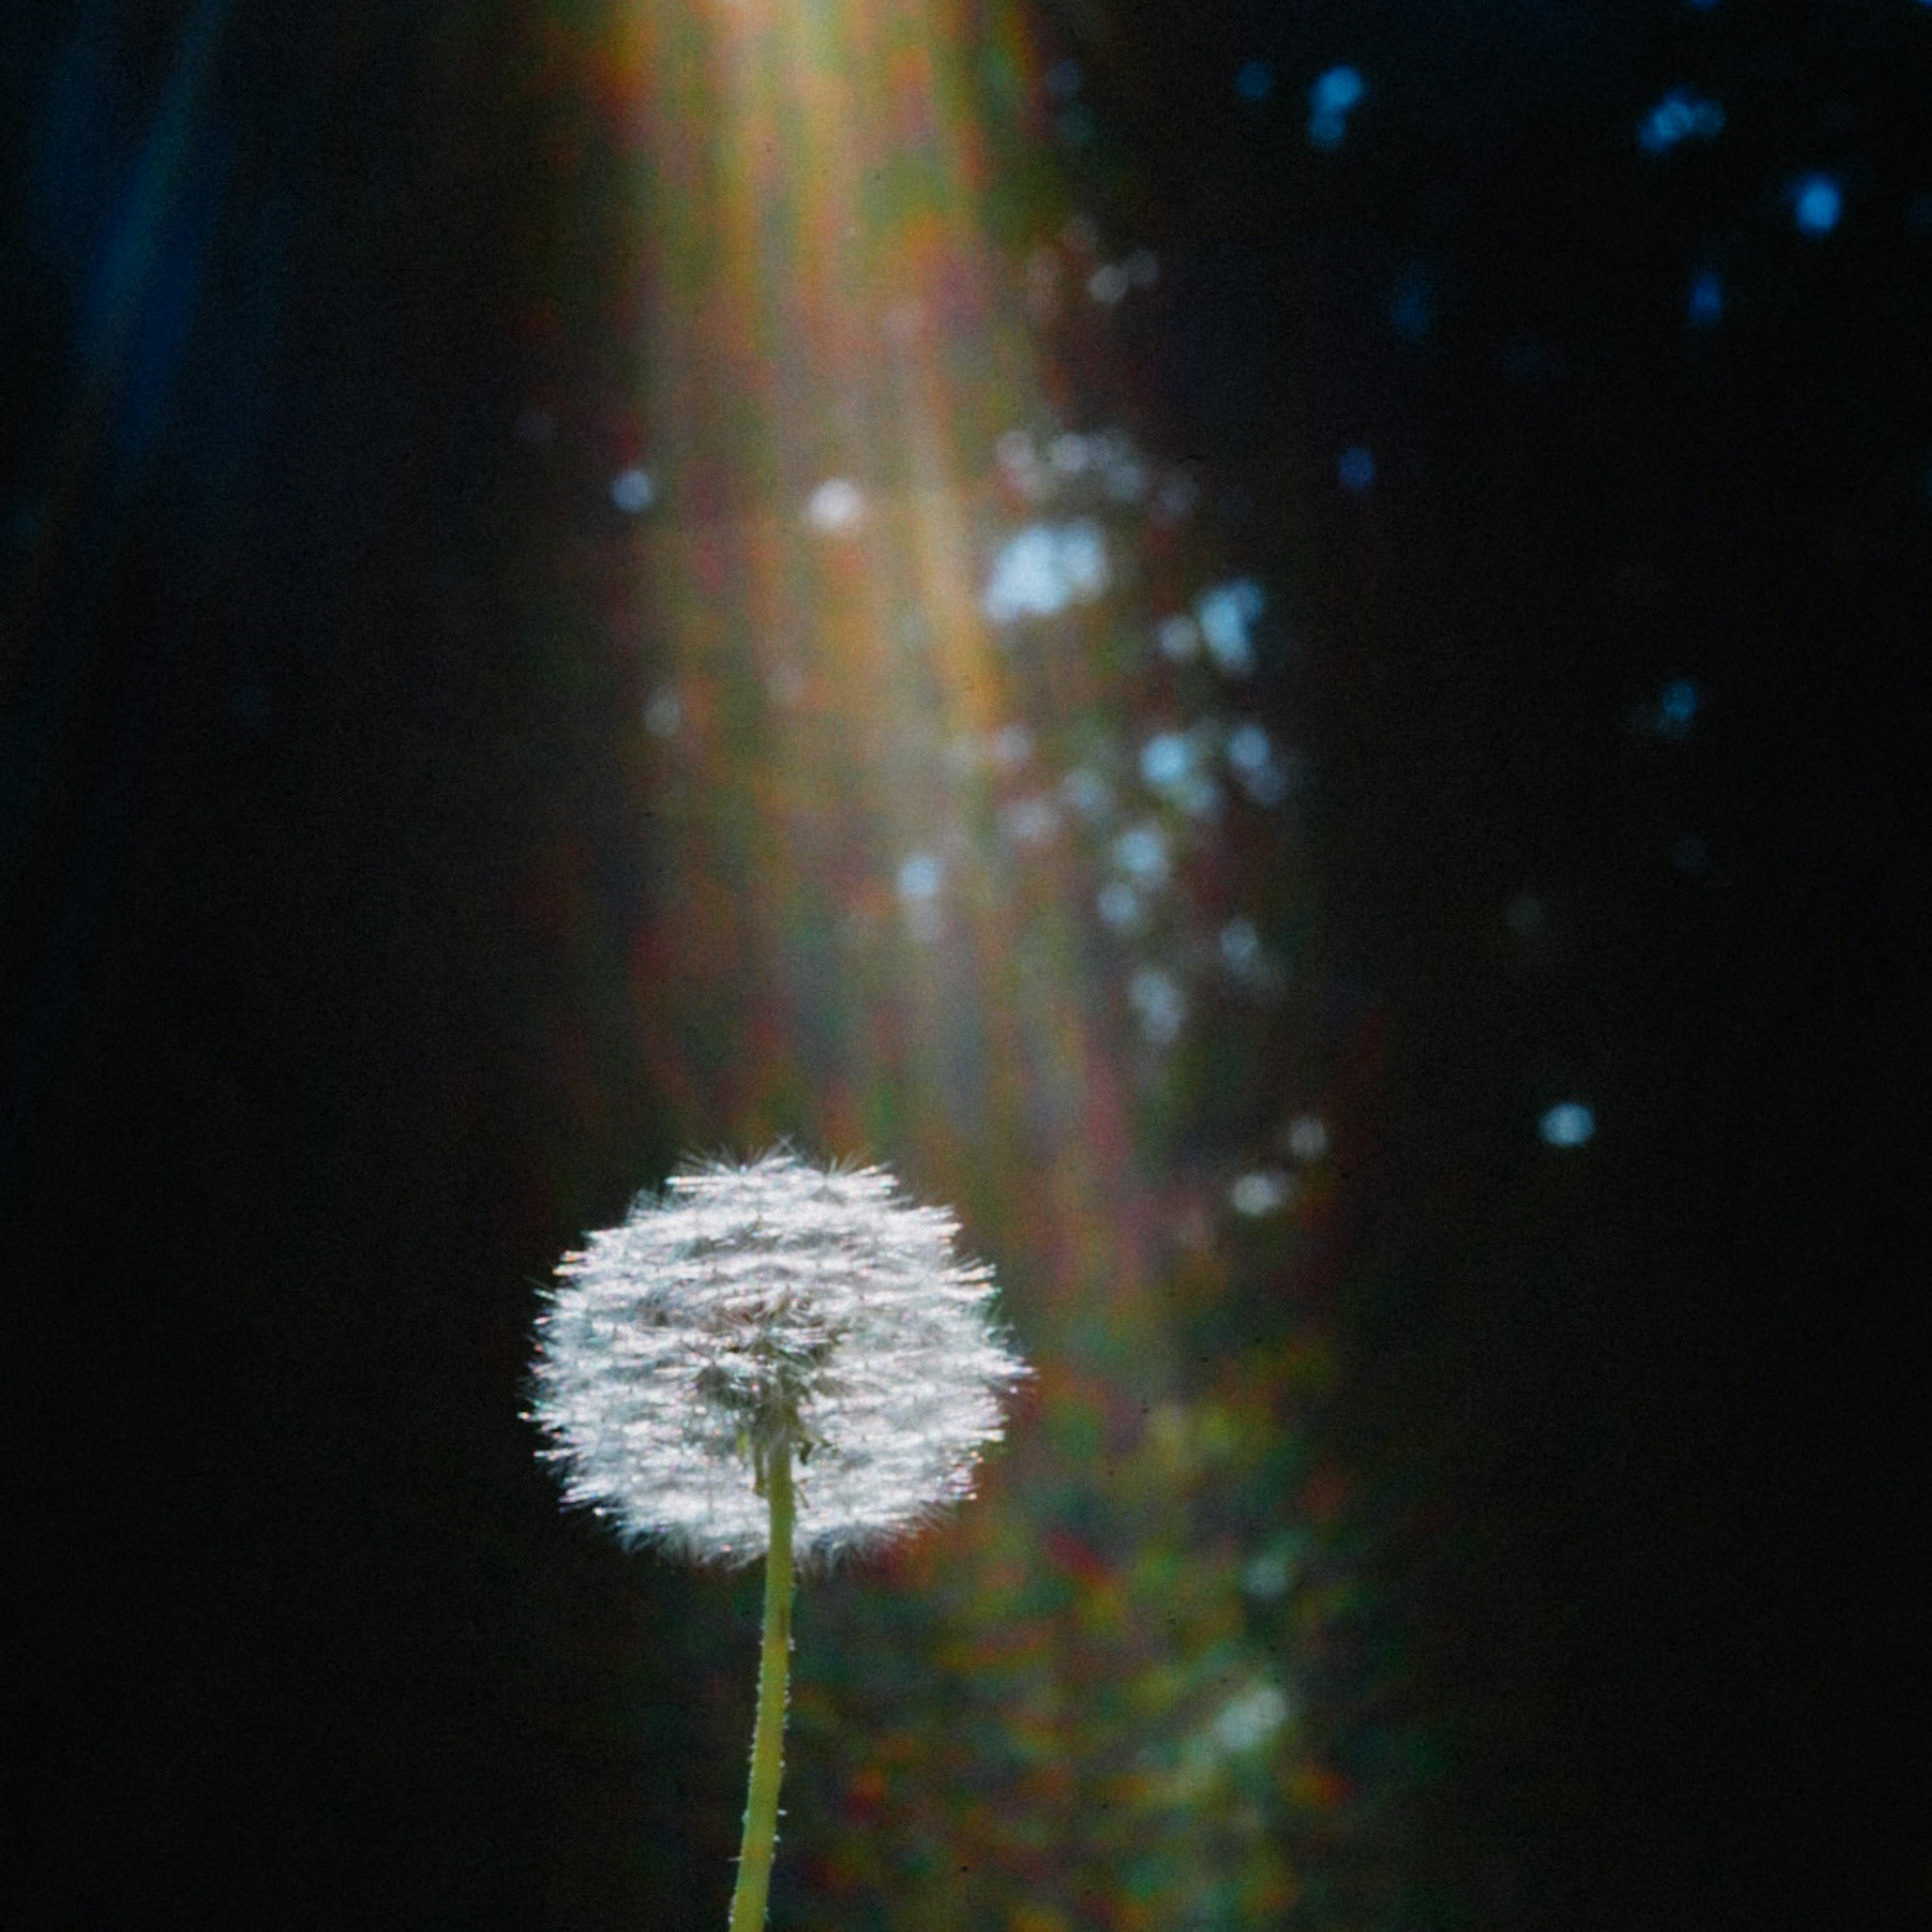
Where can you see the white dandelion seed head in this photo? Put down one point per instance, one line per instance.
(773, 1302)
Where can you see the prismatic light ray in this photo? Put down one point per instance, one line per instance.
(964, 829)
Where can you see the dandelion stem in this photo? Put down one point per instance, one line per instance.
(761, 1802)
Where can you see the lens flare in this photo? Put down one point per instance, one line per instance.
(970, 828)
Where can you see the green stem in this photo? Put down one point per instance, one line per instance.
(761, 1803)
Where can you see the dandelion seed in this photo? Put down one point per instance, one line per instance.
(767, 1359)
(773, 1302)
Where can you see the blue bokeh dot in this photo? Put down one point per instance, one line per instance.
(1256, 81)
(1817, 202)
(1568, 1124)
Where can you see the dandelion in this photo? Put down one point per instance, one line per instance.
(770, 1359)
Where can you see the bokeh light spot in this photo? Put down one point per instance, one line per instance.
(1141, 852)
(1159, 1001)
(1248, 1720)
(1336, 91)
(1179, 638)
(1267, 1575)
(631, 491)
(1411, 309)
(836, 507)
(1044, 569)
(1166, 759)
(1010, 746)
(1225, 614)
(1252, 759)
(1119, 906)
(1241, 946)
(1266, 1191)
(1087, 791)
(1356, 468)
(1680, 116)
(1331, 98)
(1254, 81)
(1676, 707)
(1029, 821)
(919, 877)
(663, 713)
(1526, 916)
(1567, 1124)
(1817, 202)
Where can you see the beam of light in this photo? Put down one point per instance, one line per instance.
(120, 324)
(942, 736)
(138, 274)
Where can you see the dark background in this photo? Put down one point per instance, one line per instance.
(286, 746)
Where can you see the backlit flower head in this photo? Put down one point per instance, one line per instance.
(776, 1302)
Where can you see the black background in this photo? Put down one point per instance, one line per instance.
(302, 1639)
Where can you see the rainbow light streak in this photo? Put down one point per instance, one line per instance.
(881, 823)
